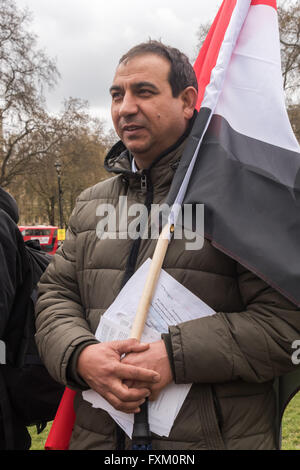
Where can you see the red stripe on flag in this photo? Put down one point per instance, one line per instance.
(209, 51)
(63, 423)
(270, 3)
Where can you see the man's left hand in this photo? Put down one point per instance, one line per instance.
(154, 358)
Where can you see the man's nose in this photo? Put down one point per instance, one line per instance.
(129, 105)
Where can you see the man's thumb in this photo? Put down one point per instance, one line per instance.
(131, 345)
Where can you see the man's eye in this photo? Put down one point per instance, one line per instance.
(116, 96)
(145, 92)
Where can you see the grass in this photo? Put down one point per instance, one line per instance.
(291, 425)
(38, 440)
(290, 428)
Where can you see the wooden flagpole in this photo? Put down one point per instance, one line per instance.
(151, 282)
(141, 437)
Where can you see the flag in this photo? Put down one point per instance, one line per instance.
(63, 423)
(242, 160)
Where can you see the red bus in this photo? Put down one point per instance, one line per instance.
(46, 234)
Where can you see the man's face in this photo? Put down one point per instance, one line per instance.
(147, 118)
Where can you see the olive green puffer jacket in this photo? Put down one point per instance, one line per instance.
(231, 357)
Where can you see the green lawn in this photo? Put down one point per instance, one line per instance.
(290, 429)
(291, 425)
(38, 440)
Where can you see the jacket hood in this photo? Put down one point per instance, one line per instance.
(9, 205)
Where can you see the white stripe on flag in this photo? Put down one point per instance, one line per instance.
(252, 99)
(213, 89)
(218, 75)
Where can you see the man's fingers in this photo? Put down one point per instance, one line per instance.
(130, 383)
(154, 395)
(121, 391)
(136, 384)
(125, 406)
(129, 345)
(128, 372)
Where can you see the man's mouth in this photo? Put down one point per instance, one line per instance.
(131, 128)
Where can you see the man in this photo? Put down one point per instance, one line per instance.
(231, 357)
(13, 269)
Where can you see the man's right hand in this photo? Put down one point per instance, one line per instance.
(101, 367)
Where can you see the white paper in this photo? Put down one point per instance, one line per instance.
(172, 304)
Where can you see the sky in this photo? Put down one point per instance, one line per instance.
(86, 38)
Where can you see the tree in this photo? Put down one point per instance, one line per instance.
(201, 35)
(294, 115)
(79, 143)
(32, 140)
(289, 30)
(24, 72)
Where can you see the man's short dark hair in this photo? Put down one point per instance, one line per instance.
(181, 73)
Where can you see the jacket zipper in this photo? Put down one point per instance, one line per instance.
(146, 188)
(144, 184)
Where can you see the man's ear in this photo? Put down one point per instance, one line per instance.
(189, 99)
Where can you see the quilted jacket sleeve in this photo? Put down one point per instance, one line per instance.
(254, 345)
(60, 321)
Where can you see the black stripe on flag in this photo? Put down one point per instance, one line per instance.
(251, 193)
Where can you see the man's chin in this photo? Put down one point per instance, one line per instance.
(136, 148)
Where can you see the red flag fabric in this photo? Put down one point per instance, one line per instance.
(62, 427)
(209, 52)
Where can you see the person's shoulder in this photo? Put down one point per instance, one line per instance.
(87, 203)
(102, 190)
(7, 225)
(9, 230)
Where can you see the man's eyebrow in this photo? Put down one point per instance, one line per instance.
(135, 86)
(114, 88)
(145, 84)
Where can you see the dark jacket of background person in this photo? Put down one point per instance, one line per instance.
(231, 357)
(13, 271)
